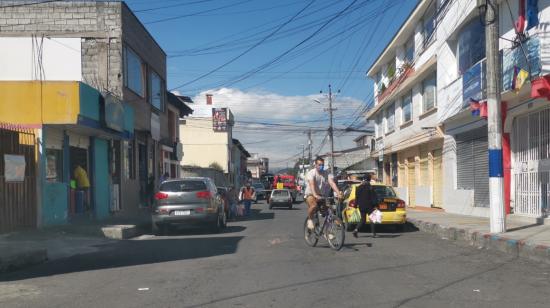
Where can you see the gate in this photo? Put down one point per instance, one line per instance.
(17, 196)
(531, 163)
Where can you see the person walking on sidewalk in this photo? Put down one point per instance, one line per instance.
(232, 198)
(366, 200)
(247, 195)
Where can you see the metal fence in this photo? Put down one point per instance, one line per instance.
(18, 202)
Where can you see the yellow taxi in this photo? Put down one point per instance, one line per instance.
(392, 208)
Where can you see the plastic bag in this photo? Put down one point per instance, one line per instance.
(353, 215)
(376, 216)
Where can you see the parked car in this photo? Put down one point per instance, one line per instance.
(392, 208)
(191, 201)
(280, 197)
(260, 191)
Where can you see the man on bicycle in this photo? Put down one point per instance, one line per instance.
(319, 182)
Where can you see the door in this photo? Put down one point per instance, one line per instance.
(411, 179)
(531, 163)
(142, 173)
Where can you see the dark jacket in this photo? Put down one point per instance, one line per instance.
(365, 197)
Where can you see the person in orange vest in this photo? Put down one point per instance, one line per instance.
(246, 196)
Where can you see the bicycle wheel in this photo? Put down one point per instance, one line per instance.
(336, 234)
(310, 235)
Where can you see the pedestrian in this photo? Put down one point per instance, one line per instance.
(232, 198)
(366, 202)
(246, 196)
(83, 185)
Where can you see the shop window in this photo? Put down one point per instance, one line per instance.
(129, 160)
(429, 93)
(471, 45)
(390, 118)
(134, 72)
(156, 97)
(54, 165)
(406, 107)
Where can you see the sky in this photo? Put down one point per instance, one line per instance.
(268, 61)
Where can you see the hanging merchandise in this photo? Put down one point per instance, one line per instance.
(520, 23)
(520, 76)
(474, 107)
(532, 13)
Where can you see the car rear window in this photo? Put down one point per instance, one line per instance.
(280, 193)
(187, 185)
(384, 192)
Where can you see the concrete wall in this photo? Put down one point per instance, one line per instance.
(202, 146)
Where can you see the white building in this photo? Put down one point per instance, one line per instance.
(428, 142)
(408, 140)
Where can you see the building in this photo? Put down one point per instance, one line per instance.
(436, 150)
(257, 165)
(207, 138)
(172, 148)
(409, 141)
(461, 44)
(358, 160)
(240, 156)
(94, 81)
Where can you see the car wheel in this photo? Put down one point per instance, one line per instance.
(158, 229)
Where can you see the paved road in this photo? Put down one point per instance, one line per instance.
(264, 262)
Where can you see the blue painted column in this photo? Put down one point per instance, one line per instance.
(101, 179)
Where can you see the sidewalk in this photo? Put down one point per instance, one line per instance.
(523, 239)
(26, 248)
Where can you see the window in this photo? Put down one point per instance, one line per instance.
(471, 45)
(390, 118)
(133, 72)
(379, 130)
(428, 26)
(406, 107)
(409, 50)
(156, 97)
(185, 185)
(129, 160)
(54, 165)
(391, 70)
(429, 93)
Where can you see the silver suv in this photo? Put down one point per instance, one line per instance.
(188, 201)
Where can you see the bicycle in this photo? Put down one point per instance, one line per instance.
(332, 228)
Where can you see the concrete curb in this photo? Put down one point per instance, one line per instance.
(18, 260)
(480, 240)
(122, 232)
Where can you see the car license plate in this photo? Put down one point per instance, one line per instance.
(383, 206)
(182, 213)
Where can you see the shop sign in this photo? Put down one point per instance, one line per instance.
(14, 170)
(219, 119)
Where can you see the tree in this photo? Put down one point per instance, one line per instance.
(216, 166)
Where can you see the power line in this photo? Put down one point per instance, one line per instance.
(196, 13)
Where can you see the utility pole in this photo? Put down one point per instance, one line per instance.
(309, 145)
(331, 129)
(494, 119)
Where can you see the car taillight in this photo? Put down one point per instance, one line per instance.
(204, 194)
(160, 196)
(351, 203)
(400, 204)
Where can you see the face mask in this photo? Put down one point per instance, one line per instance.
(321, 167)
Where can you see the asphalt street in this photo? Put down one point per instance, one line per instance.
(263, 261)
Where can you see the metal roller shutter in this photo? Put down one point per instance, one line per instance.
(54, 138)
(411, 179)
(481, 172)
(438, 178)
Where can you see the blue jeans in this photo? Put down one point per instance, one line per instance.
(247, 204)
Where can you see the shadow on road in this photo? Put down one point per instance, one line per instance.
(256, 214)
(130, 253)
(179, 230)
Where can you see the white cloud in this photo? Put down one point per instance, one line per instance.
(251, 108)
